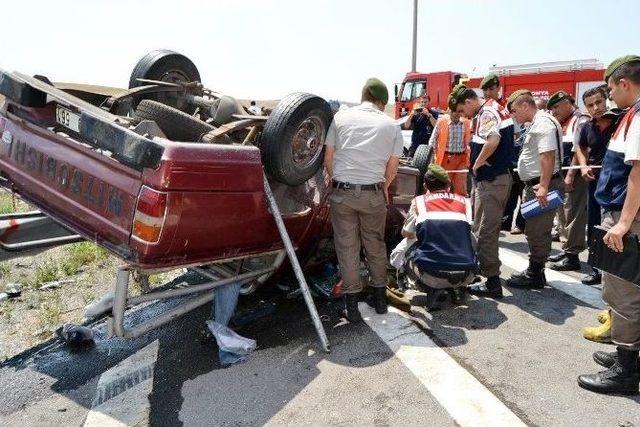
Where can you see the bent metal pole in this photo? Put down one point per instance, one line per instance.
(295, 264)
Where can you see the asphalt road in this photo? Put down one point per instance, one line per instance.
(510, 362)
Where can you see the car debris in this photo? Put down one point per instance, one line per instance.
(232, 347)
(75, 335)
(14, 290)
(55, 284)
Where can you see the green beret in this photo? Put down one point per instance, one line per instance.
(457, 91)
(437, 172)
(490, 80)
(377, 89)
(557, 97)
(617, 63)
(515, 95)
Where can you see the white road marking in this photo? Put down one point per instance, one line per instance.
(555, 279)
(122, 395)
(466, 400)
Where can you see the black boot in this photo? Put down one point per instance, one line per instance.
(621, 378)
(570, 262)
(352, 312)
(592, 279)
(607, 359)
(492, 288)
(380, 300)
(532, 278)
(557, 257)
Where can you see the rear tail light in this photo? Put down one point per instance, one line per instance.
(150, 215)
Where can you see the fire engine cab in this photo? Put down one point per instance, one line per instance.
(542, 79)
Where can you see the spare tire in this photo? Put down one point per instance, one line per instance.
(422, 158)
(175, 124)
(292, 141)
(167, 66)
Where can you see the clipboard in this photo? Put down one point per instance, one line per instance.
(625, 264)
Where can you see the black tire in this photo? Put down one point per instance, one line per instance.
(175, 124)
(165, 65)
(296, 116)
(422, 158)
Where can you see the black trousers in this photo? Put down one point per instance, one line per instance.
(509, 210)
(594, 213)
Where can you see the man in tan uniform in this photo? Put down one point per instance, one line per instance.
(572, 217)
(539, 168)
(362, 154)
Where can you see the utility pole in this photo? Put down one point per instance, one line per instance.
(415, 36)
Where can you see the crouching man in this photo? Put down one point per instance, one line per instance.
(444, 255)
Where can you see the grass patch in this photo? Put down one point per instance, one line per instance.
(6, 204)
(155, 279)
(46, 272)
(6, 308)
(5, 269)
(79, 255)
(50, 312)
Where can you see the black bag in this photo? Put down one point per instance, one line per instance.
(625, 264)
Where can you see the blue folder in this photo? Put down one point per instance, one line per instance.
(532, 207)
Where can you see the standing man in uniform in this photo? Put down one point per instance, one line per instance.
(572, 217)
(450, 141)
(618, 193)
(491, 157)
(422, 120)
(539, 168)
(490, 86)
(362, 155)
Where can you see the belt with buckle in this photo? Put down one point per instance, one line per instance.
(536, 181)
(363, 187)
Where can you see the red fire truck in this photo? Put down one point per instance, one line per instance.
(543, 79)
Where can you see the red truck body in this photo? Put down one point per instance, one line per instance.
(194, 204)
(574, 77)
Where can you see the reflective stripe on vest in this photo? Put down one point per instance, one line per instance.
(443, 205)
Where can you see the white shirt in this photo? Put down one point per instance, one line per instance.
(364, 139)
(544, 135)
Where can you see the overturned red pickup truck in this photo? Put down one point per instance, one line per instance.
(167, 173)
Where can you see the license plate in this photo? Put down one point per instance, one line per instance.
(68, 118)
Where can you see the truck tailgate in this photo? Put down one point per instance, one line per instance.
(88, 178)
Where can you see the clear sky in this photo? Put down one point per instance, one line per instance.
(266, 49)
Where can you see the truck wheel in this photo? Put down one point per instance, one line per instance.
(175, 124)
(421, 159)
(293, 138)
(167, 66)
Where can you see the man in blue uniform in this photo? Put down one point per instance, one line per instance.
(618, 192)
(491, 159)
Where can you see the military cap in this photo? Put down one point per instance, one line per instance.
(452, 103)
(560, 95)
(618, 62)
(489, 80)
(515, 95)
(377, 89)
(457, 91)
(437, 172)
